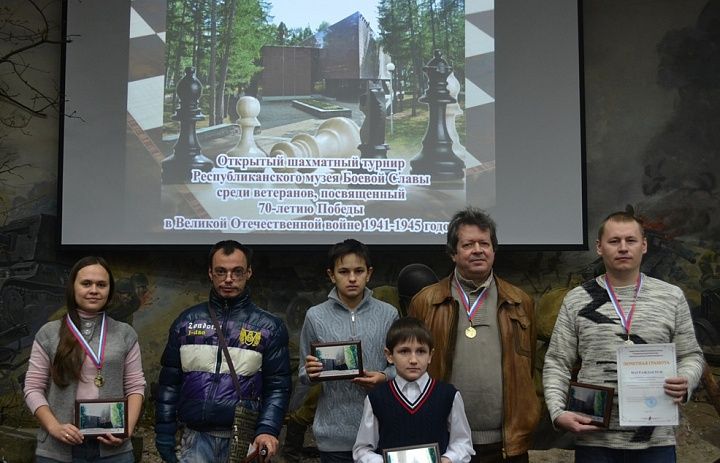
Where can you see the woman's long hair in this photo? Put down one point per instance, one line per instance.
(70, 355)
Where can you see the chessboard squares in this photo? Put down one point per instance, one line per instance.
(480, 132)
(147, 57)
(480, 70)
(145, 102)
(477, 6)
(476, 96)
(484, 21)
(138, 26)
(477, 41)
(153, 12)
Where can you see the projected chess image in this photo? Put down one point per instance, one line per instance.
(330, 126)
(307, 121)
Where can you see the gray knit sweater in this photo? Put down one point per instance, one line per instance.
(120, 339)
(340, 405)
(589, 329)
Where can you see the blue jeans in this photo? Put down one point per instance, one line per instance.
(336, 457)
(200, 447)
(664, 454)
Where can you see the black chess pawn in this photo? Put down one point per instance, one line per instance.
(187, 152)
(372, 132)
(436, 157)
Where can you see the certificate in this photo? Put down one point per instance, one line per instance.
(641, 371)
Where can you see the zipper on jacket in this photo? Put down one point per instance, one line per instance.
(353, 325)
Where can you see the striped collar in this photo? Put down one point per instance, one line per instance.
(426, 384)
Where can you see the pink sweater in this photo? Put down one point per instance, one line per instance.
(38, 377)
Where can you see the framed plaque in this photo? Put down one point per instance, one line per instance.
(102, 416)
(427, 453)
(592, 401)
(341, 360)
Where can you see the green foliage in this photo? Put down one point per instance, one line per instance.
(406, 141)
(251, 32)
(320, 104)
(411, 30)
(241, 27)
(351, 357)
(117, 414)
(282, 36)
(83, 418)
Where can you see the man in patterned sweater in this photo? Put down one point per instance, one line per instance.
(621, 307)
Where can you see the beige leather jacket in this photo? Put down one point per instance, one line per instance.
(516, 315)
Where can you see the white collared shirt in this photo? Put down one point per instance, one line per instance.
(459, 448)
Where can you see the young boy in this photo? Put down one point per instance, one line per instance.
(350, 313)
(413, 409)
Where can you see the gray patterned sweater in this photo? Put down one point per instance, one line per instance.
(589, 329)
(340, 405)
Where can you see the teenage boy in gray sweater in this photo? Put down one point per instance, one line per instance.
(349, 314)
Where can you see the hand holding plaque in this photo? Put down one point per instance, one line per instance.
(337, 360)
(594, 402)
(102, 416)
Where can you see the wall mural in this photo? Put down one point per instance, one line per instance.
(652, 113)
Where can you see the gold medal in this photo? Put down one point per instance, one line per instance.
(99, 380)
(628, 342)
(470, 332)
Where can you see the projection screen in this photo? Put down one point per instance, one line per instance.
(503, 133)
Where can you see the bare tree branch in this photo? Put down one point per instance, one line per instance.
(25, 29)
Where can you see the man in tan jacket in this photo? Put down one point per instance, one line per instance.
(484, 335)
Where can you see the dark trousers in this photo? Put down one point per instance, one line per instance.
(492, 453)
(663, 454)
(336, 457)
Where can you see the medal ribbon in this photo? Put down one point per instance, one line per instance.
(625, 320)
(99, 357)
(470, 310)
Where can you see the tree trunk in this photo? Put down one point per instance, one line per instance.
(175, 68)
(416, 57)
(212, 88)
(433, 26)
(227, 41)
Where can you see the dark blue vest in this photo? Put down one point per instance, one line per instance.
(402, 424)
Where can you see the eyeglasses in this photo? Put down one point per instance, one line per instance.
(236, 273)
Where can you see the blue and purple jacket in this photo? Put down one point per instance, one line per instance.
(195, 386)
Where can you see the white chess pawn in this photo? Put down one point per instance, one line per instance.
(248, 108)
(453, 111)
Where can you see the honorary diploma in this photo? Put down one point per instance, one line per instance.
(642, 370)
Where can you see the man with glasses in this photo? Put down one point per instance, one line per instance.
(195, 385)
